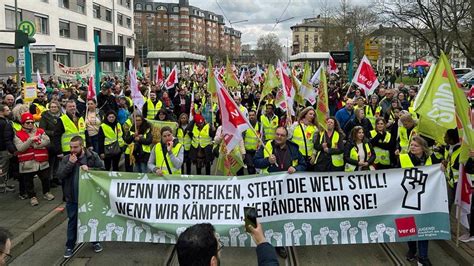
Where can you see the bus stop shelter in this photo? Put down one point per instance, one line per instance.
(169, 59)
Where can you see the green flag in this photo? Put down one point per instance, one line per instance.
(271, 81)
(435, 104)
(229, 164)
(463, 111)
(211, 84)
(229, 76)
(322, 110)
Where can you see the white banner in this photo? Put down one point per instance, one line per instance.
(63, 71)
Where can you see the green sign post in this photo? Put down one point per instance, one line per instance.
(29, 28)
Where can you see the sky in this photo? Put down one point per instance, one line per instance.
(261, 15)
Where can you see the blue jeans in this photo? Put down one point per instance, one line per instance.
(140, 168)
(422, 248)
(71, 209)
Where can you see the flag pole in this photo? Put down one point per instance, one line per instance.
(458, 216)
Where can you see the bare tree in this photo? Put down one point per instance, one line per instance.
(268, 49)
(440, 24)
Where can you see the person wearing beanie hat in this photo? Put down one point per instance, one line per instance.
(31, 143)
(201, 135)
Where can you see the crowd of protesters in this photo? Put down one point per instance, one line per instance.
(364, 132)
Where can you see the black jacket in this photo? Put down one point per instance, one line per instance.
(364, 123)
(69, 173)
(266, 255)
(261, 162)
(6, 136)
(53, 128)
(347, 154)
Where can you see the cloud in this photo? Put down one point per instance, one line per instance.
(262, 15)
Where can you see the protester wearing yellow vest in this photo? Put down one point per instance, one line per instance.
(183, 138)
(251, 142)
(302, 134)
(373, 110)
(269, 122)
(73, 126)
(359, 155)
(110, 133)
(280, 154)
(151, 106)
(140, 139)
(329, 147)
(127, 127)
(166, 157)
(39, 105)
(418, 155)
(201, 144)
(405, 133)
(381, 140)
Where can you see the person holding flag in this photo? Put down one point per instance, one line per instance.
(382, 142)
(201, 144)
(302, 133)
(182, 133)
(251, 142)
(140, 137)
(406, 132)
(269, 122)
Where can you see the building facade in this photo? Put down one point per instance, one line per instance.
(65, 31)
(182, 27)
(307, 35)
(398, 49)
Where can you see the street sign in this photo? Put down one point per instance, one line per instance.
(42, 48)
(21, 54)
(111, 53)
(340, 56)
(27, 27)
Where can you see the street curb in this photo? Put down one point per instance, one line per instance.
(461, 256)
(34, 233)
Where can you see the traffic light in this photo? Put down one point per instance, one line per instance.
(22, 39)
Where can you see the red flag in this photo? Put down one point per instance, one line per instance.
(90, 89)
(159, 75)
(365, 76)
(233, 122)
(172, 78)
(463, 195)
(288, 90)
(332, 66)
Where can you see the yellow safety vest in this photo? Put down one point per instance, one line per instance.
(449, 168)
(405, 161)
(354, 155)
(70, 131)
(112, 135)
(201, 137)
(184, 139)
(152, 110)
(269, 150)
(372, 116)
(160, 159)
(381, 156)
(145, 148)
(336, 159)
(269, 127)
(16, 126)
(404, 138)
(411, 110)
(299, 137)
(251, 139)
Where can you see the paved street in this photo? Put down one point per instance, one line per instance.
(49, 250)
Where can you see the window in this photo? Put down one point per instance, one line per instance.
(176, 9)
(41, 23)
(40, 62)
(108, 38)
(62, 58)
(97, 33)
(10, 18)
(81, 6)
(96, 11)
(120, 40)
(149, 7)
(129, 22)
(120, 19)
(138, 7)
(64, 30)
(64, 3)
(129, 42)
(82, 32)
(108, 15)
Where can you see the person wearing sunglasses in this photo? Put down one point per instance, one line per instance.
(5, 246)
(31, 143)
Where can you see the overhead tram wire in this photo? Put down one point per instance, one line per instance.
(279, 18)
